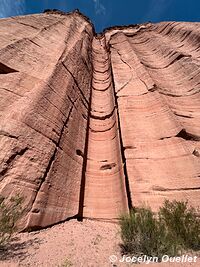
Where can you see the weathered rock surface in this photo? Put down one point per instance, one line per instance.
(44, 112)
(92, 125)
(156, 74)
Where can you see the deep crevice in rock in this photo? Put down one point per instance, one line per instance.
(108, 166)
(196, 153)
(83, 176)
(187, 136)
(79, 153)
(4, 69)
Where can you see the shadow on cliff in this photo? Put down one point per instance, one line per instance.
(18, 249)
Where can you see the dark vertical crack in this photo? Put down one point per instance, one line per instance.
(83, 179)
(84, 154)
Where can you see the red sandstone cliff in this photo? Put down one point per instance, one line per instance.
(90, 126)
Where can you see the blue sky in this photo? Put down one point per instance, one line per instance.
(105, 13)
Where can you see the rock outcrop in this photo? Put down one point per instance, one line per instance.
(91, 125)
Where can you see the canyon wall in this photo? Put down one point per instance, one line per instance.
(93, 125)
(45, 96)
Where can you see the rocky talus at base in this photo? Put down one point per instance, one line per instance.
(92, 125)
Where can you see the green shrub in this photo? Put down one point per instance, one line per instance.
(183, 222)
(174, 229)
(10, 211)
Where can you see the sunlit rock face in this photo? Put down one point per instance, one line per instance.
(92, 125)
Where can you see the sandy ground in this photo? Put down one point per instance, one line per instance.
(80, 244)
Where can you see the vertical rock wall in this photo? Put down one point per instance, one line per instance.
(45, 94)
(156, 75)
(91, 126)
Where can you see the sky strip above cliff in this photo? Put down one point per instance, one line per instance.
(105, 13)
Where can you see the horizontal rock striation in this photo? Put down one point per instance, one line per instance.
(157, 87)
(91, 126)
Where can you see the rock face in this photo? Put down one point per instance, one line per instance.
(44, 112)
(93, 125)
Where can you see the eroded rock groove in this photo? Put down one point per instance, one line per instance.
(105, 182)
